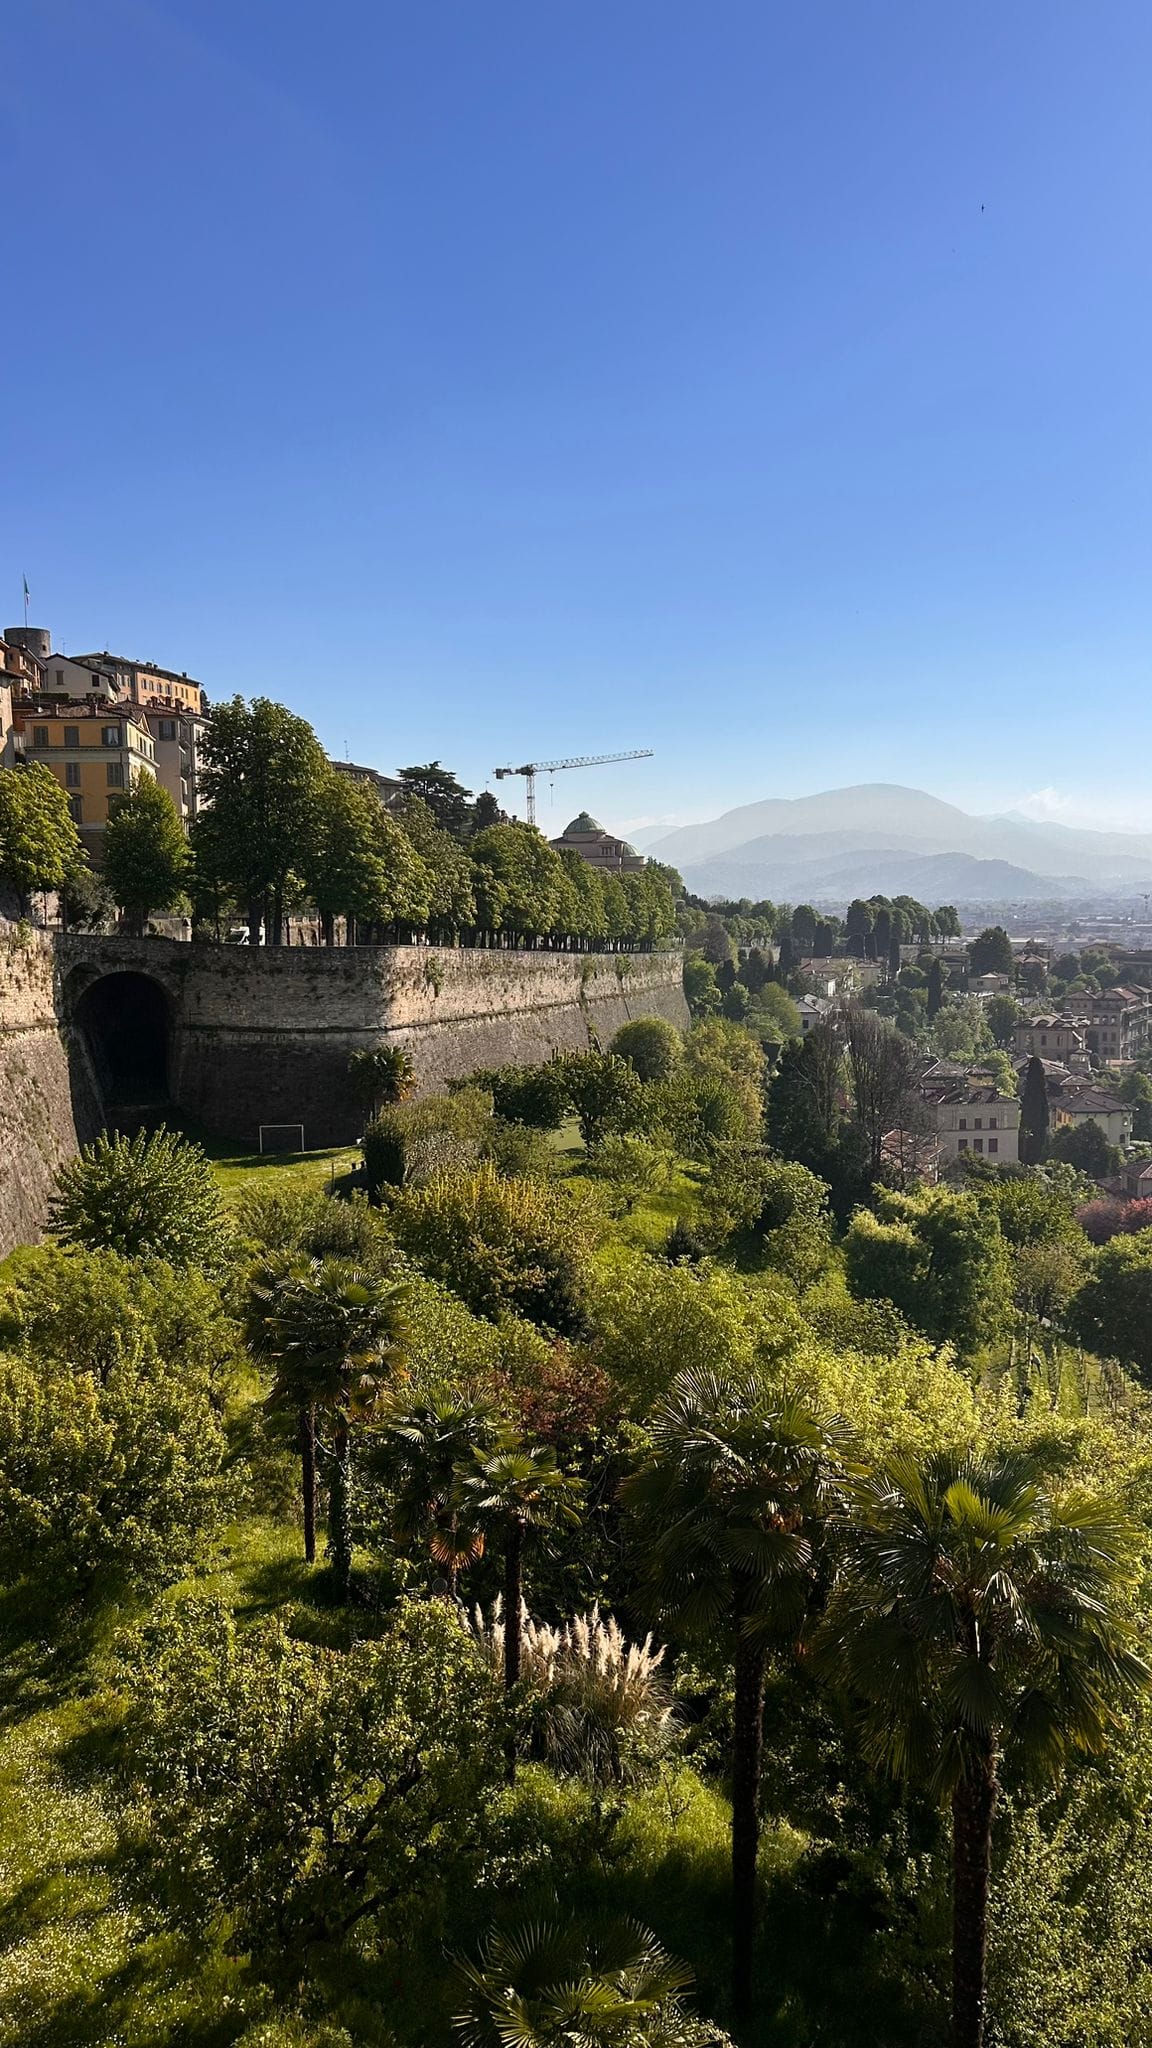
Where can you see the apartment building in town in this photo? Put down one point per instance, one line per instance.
(173, 706)
(1119, 1023)
(95, 750)
(972, 1118)
(158, 715)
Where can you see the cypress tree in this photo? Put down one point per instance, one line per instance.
(935, 988)
(1034, 1114)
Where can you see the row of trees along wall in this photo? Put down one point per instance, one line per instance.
(283, 832)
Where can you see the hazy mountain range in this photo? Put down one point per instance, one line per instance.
(879, 838)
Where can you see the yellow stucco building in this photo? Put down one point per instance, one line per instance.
(95, 751)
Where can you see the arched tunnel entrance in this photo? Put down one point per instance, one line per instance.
(126, 1025)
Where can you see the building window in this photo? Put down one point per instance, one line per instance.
(167, 728)
(59, 679)
(978, 1144)
(992, 1123)
(978, 1123)
(76, 806)
(71, 735)
(962, 1145)
(993, 1144)
(115, 774)
(110, 736)
(72, 774)
(963, 1124)
(39, 735)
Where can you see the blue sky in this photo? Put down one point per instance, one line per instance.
(765, 384)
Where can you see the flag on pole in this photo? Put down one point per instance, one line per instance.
(27, 592)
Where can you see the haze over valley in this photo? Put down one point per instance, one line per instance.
(882, 838)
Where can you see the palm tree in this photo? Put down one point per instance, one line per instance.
(335, 1337)
(522, 1491)
(977, 1618)
(421, 1446)
(547, 1985)
(729, 1504)
(382, 1075)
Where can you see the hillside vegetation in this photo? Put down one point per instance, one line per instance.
(579, 1574)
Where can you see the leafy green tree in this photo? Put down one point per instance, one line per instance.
(651, 1045)
(960, 1031)
(536, 1096)
(111, 1468)
(420, 1446)
(977, 1619)
(729, 1506)
(603, 1089)
(518, 882)
(448, 871)
(735, 1003)
(543, 1984)
(1087, 1147)
(1003, 1014)
(1034, 1114)
(1112, 1313)
(292, 1790)
(145, 852)
(937, 1257)
(946, 921)
(151, 1196)
(334, 1337)
(342, 863)
(701, 989)
(87, 903)
(774, 1002)
(89, 1310)
(39, 845)
(506, 1247)
(263, 775)
(991, 953)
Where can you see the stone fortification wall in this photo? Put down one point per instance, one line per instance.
(37, 1118)
(266, 1036)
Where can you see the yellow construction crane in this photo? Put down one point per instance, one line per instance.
(531, 769)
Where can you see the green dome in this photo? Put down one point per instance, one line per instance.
(584, 823)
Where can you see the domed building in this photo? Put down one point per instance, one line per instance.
(588, 838)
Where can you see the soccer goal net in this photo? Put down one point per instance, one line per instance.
(281, 1137)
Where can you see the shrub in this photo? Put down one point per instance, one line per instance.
(519, 1152)
(385, 1152)
(632, 1167)
(606, 1709)
(506, 1247)
(151, 1196)
(116, 1475)
(604, 1091)
(536, 1096)
(939, 1258)
(295, 1790)
(90, 1310)
(684, 1246)
(652, 1046)
(287, 1219)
